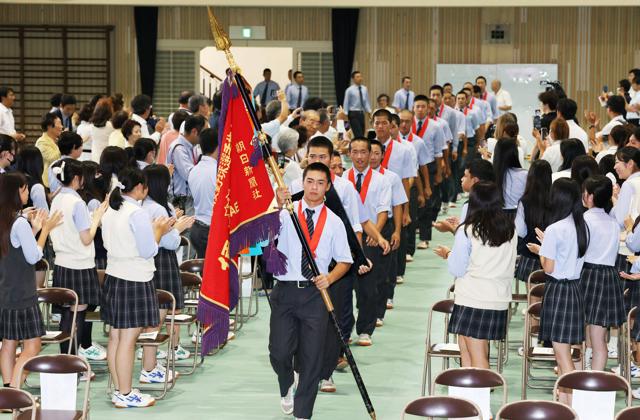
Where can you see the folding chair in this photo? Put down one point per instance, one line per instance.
(94, 316)
(629, 413)
(190, 285)
(536, 410)
(162, 340)
(195, 266)
(59, 364)
(17, 400)
(593, 381)
(471, 378)
(544, 358)
(446, 350)
(451, 407)
(62, 297)
(185, 242)
(625, 365)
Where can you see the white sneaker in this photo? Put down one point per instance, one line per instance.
(160, 354)
(379, 323)
(196, 336)
(389, 303)
(180, 353)
(409, 258)
(364, 340)
(157, 376)
(399, 280)
(93, 353)
(521, 351)
(327, 385)
(636, 394)
(423, 245)
(135, 399)
(114, 396)
(286, 402)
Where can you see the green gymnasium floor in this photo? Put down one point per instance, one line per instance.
(238, 383)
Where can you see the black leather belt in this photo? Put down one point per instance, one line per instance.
(299, 284)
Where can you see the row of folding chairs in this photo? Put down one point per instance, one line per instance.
(453, 407)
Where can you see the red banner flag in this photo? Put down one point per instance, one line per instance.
(242, 215)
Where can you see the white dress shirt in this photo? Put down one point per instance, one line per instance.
(553, 156)
(617, 120)
(378, 198)
(7, 122)
(144, 128)
(577, 132)
(503, 98)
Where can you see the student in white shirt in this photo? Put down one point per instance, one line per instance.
(482, 260)
(567, 109)
(75, 266)
(615, 112)
(618, 137)
(570, 149)
(141, 111)
(558, 131)
(144, 153)
(562, 253)
(375, 195)
(503, 98)
(7, 122)
(101, 128)
(600, 282)
(299, 318)
(633, 107)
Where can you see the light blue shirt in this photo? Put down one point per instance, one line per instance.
(352, 100)
(171, 239)
(493, 104)
(295, 91)
(378, 198)
(39, 197)
(448, 136)
(81, 217)
(515, 181)
(400, 99)
(560, 244)
(202, 182)
(623, 206)
(272, 91)
(140, 224)
(398, 194)
(424, 154)
(54, 183)
(458, 260)
(183, 156)
(604, 237)
(21, 236)
(434, 138)
(463, 211)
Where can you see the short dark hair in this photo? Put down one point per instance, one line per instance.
(178, 118)
(405, 78)
(383, 95)
(619, 134)
(296, 74)
(421, 97)
(140, 103)
(568, 108)
(266, 70)
(447, 84)
(194, 121)
(183, 99)
(319, 167)
(68, 100)
(127, 128)
(336, 154)
(549, 98)
(69, 141)
(119, 118)
(315, 103)
(55, 99)
(625, 85)
(382, 113)
(208, 140)
(5, 91)
(635, 71)
(476, 89)
(48, 120)
(481, 78)
(616, 104)
(395, 118)
(481, 169)
(353, 73)
(142, 148)
(362, 139)
(377, 143)
(322, 142)
(436, 87)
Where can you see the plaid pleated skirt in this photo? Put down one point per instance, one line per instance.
(83, 282)
(602, 292)
(526, 265)
(634, 288)
(129, 304)
(167, 276)
(21, 324)
(562, 315)
(483, 324)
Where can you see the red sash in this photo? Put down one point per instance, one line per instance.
(409, 139)
(473, 101)
(465, 110)
(333, 177)
(317, 232)
(365, 184)
(484, 96)
(441, 109)
(381, 169)
(422, 130)
(387, 155)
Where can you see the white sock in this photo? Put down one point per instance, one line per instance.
(588, 353)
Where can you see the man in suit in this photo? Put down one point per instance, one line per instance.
(66, 110)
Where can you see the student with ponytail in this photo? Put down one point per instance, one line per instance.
(144, 152)
(129, 300)
(74, 265)
(29, 161)
(167, 274)
(563, 246)
(20, 317)
(600, 282)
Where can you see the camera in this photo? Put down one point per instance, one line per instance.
(555, 86)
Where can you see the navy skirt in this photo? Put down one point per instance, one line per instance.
(602, 291)
(21, 324)
(562, 317)
(483, 324)
(167, 276)
(129, 304)
(527, 265)
(83, 282)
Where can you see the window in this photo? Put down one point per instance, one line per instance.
(175, 72)
(318, 74)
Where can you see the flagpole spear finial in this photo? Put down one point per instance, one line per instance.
(220, 37)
